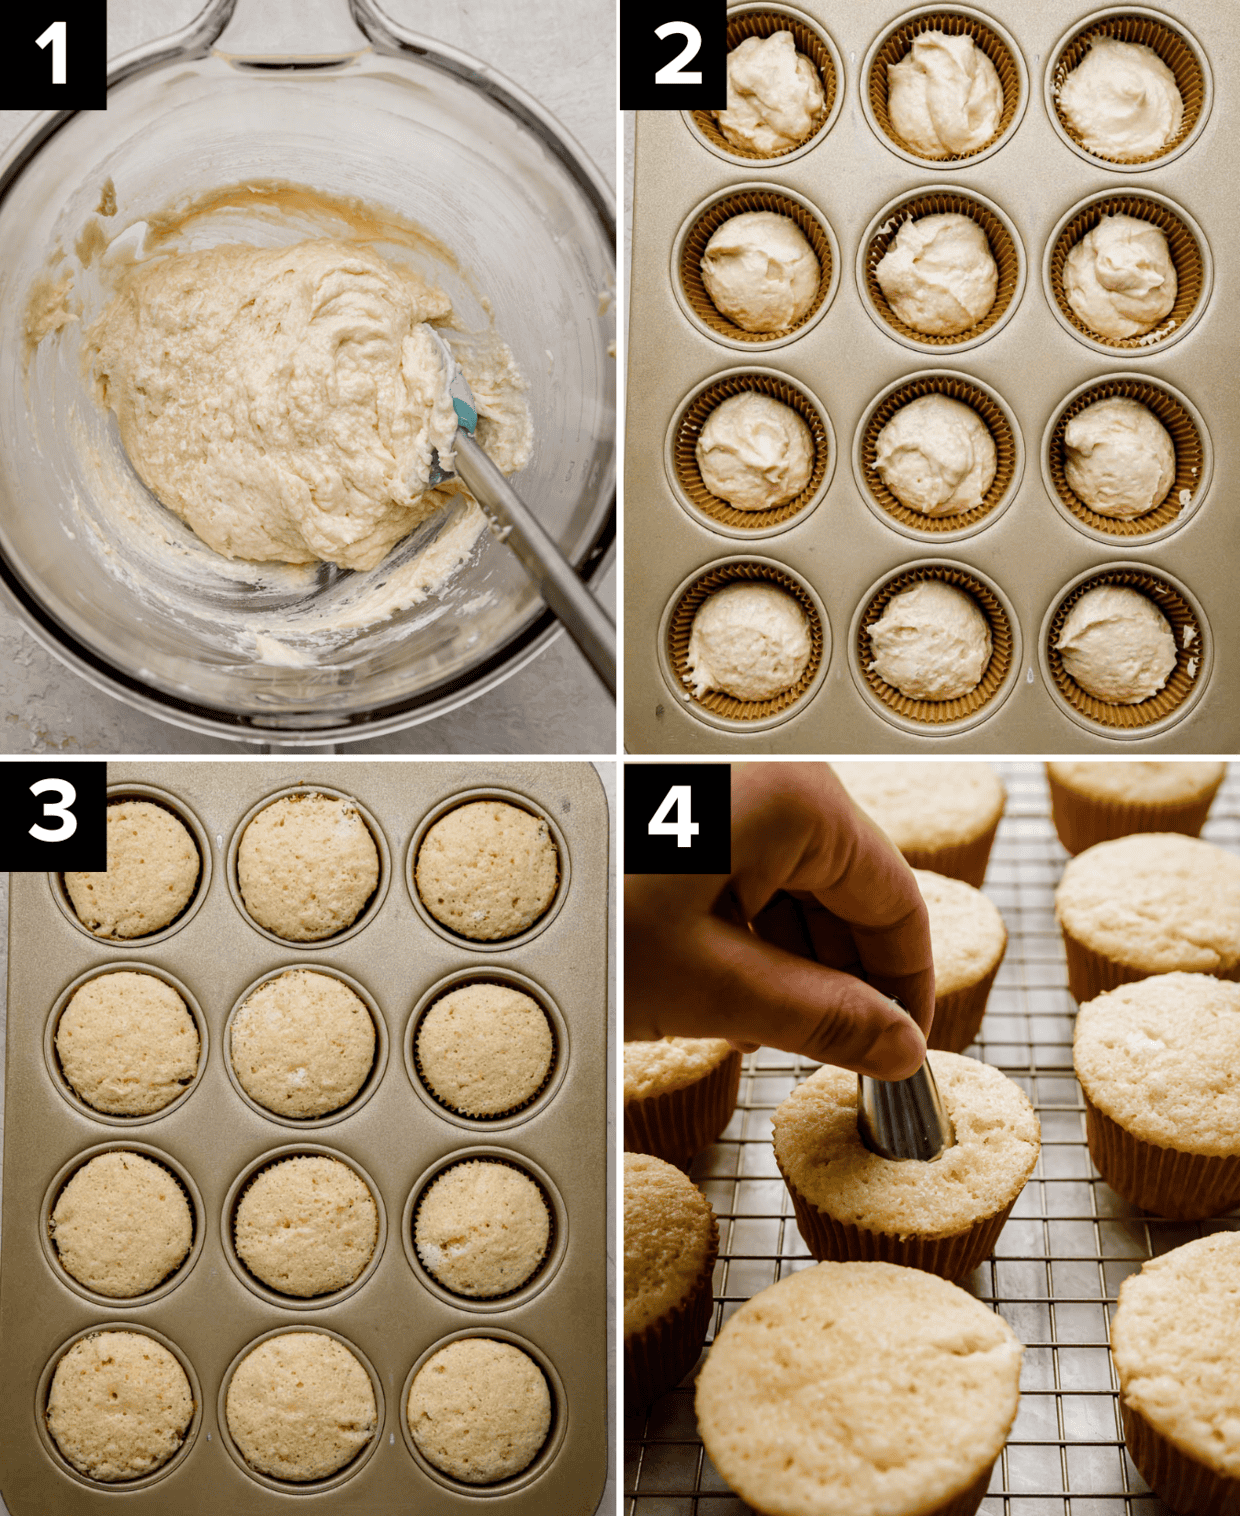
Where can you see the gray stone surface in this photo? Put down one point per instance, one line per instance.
(563, 53)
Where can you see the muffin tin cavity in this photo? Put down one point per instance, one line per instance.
(1190, 256)
(545, 917)
(542, 1270)
(547, 1454)
(370, 908)
(705, 221)
(763, 20)
(512, 1115)
(890, 46)
(1186, 682)
(228, 1224)
(715, 707)
(178, 1178)
(56, 1069)
(307, 1486)
(936, 200)
(938, 717)
(368, 1086)
(1174, 44)
(1189, 437)
(62, 1464)
(681, 457)
(117, 794)
(999, 421)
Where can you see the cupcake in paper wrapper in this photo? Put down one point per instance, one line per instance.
(679, 1094)
(1095, 802)
(968, 939)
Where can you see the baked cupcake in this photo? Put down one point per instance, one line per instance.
(487, 870)
(119, 1406)
(1175, 1343)
(945, 1216)
(479, 1410)
(679, 1094)
(127, 1044)
(306, 1226)
(307, 866)
(484, 1050)
(300, 1406)
(861, 1388)
(968, 940)
(671, 1241)
(942, 816)
(1152, 903)
(1158, 1063)
(153, 869)
(1097, 802)
(482, 1228)
(121, 1225)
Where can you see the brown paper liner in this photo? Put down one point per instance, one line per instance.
(689, 429)
(939, 712)
(1003, 249)
(998, 423)
(1182, 1186)
(679, 1123)
(1170, 46)
(1180, 684)
(958, 1016)
(961, 860)
(1189, 456)
(658, 1358)
(897, 43)
(708, 223)
(1083, 820)
(811, 42)
(681, 624)
(1186, 256)
(1180, 1481)
(951, 1257)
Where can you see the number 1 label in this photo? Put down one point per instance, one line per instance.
(54, 37)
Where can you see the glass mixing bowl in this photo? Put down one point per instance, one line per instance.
(361, 109)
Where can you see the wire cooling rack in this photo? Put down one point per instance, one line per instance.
(1055, 1275)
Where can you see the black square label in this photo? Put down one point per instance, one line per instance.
(677, 818)
(57, 815)
(674, 55)
(58, 56)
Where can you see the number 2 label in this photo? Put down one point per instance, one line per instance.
(673, 72)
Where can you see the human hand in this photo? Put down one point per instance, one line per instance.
(829, 899)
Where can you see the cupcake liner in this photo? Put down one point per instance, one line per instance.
(952, 1256)
(735, 202)
(937, 200)
(680, 624)
(677, 1124)
(1186, 626)
(1184, 242)
(658, 1358)
(999, 421)
(960, 860)
(1165, 1181)
(765, 21)
(1187, 432)
(954, 20)
(1083, 820)
(958, 1016)
(1180, 1481)
(1183, 58)
(939, 712)
(687, 428)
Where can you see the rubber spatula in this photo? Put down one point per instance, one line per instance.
(587, 623)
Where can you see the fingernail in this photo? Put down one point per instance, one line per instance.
(896, 1053)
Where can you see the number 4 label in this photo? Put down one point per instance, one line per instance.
(684, 828)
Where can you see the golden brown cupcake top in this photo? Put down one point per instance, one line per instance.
(1168, 783)
(967, 934)
(671, 1239)
(670, 1063)
(926, 805)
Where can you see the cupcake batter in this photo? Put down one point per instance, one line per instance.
(1117, 645)
(755, 452)
(1122, 100)
(944, 98)
(936, 456)
(1119, 278)
(939, 275)
(931, 643)
(775, 97)
(760, 271)
(752, 641)
(1118, 458)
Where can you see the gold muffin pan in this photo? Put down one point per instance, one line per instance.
(210, 1311)
(1035, 193)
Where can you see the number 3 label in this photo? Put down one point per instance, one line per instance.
(55, 808)
(673, 73)
(684, 828)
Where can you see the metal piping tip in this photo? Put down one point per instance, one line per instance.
(903, 1118)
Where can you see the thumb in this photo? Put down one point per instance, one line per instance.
(759, 993)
